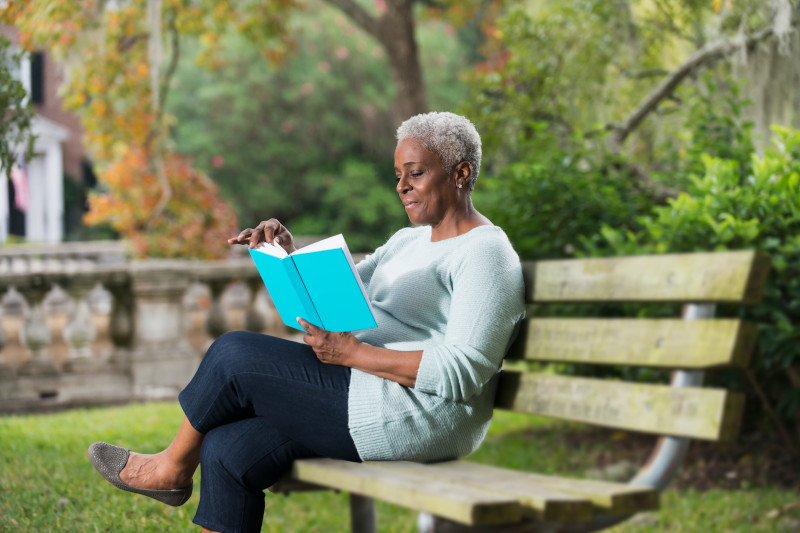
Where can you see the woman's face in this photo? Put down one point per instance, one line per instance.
(427, 191)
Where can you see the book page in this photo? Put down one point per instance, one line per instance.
(274, 250)
(331, 243)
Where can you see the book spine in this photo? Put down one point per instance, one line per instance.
(300, 289)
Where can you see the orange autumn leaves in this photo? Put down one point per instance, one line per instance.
(104, 49)
(195, 222)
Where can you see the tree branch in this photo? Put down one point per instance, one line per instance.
(642, 181)
(359, 15)
(157, 162)
(711, 51)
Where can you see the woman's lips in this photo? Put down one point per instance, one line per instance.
(408, 204)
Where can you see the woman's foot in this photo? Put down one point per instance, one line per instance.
(110, 461)
(154, 472)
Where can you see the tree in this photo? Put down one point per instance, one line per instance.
(16, 110)
(120, 77)
(121, 72)
(609, 73)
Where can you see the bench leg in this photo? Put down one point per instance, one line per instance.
(362, 514)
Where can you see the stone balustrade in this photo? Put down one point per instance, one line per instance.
(149, 347)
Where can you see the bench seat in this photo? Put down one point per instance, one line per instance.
(476, 494)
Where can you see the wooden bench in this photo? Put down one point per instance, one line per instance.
(465, 496)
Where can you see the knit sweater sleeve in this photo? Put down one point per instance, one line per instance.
(487, 303)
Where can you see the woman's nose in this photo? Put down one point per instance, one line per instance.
(402, 185)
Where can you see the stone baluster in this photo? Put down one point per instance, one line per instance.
(80, 331)
(217, 321)
(3, 337)
(5, 368)
(162, 360)
(254, 319)
(120, 324)
(35, 333)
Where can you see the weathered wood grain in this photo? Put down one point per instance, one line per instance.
(608, 497)
(720, 277)
(464, 504)
(539, 501)
(668, 343)
(692, 412)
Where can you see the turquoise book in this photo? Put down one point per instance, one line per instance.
(318, 282)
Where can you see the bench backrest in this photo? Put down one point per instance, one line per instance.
(699, 280)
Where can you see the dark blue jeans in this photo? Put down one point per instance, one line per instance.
(261, 403)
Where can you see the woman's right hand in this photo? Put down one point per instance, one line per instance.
(270, 231)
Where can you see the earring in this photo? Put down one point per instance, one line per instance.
(460, 185)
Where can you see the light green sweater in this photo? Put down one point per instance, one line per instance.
(460, 301)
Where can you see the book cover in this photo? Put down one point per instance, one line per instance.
(318, 282)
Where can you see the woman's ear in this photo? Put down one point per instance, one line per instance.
(463, 174)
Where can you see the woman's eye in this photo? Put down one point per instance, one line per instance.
(417, 174)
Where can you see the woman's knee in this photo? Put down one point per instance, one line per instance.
(233, 348)
(235, 454)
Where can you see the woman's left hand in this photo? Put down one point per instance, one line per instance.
(331, 348)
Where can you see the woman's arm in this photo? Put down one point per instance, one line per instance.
(345, 350)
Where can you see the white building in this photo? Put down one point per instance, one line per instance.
(58, 153)
(44, 214)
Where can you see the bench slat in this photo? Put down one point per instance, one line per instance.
(541, 502)
(682, 412)
(611, 498)
(464, 504)
(698, 277)
(669, 343)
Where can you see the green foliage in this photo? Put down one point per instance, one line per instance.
(535, 77)
(721, 210)
(357, 201)
(15, 109)
(713, 126)
(557, 193)
(305, 141)
(259, 130)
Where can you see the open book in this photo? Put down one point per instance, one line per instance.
(318, 282)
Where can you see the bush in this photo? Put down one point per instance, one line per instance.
(722, 210)
(557, 192)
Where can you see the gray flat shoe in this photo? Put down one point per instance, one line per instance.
(109, 460)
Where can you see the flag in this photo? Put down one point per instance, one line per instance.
(19, 179)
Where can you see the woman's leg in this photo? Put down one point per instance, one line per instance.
(238, 462)
(170, 469)
(255, 404)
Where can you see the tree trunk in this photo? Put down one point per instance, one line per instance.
(394, 30)
(769, 79)
(397, 38)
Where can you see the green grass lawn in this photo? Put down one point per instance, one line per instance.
(48, 484)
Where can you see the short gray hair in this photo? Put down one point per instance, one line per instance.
(451, 137)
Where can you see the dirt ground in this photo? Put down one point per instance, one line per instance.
(755, 460)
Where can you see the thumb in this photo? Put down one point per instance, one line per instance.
(306, 325)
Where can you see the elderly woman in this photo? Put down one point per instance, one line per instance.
(447, 295)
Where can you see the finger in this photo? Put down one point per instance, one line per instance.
(270, 228)
(310, 328)
(242, 235)
(257, 237)
(304, 324)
